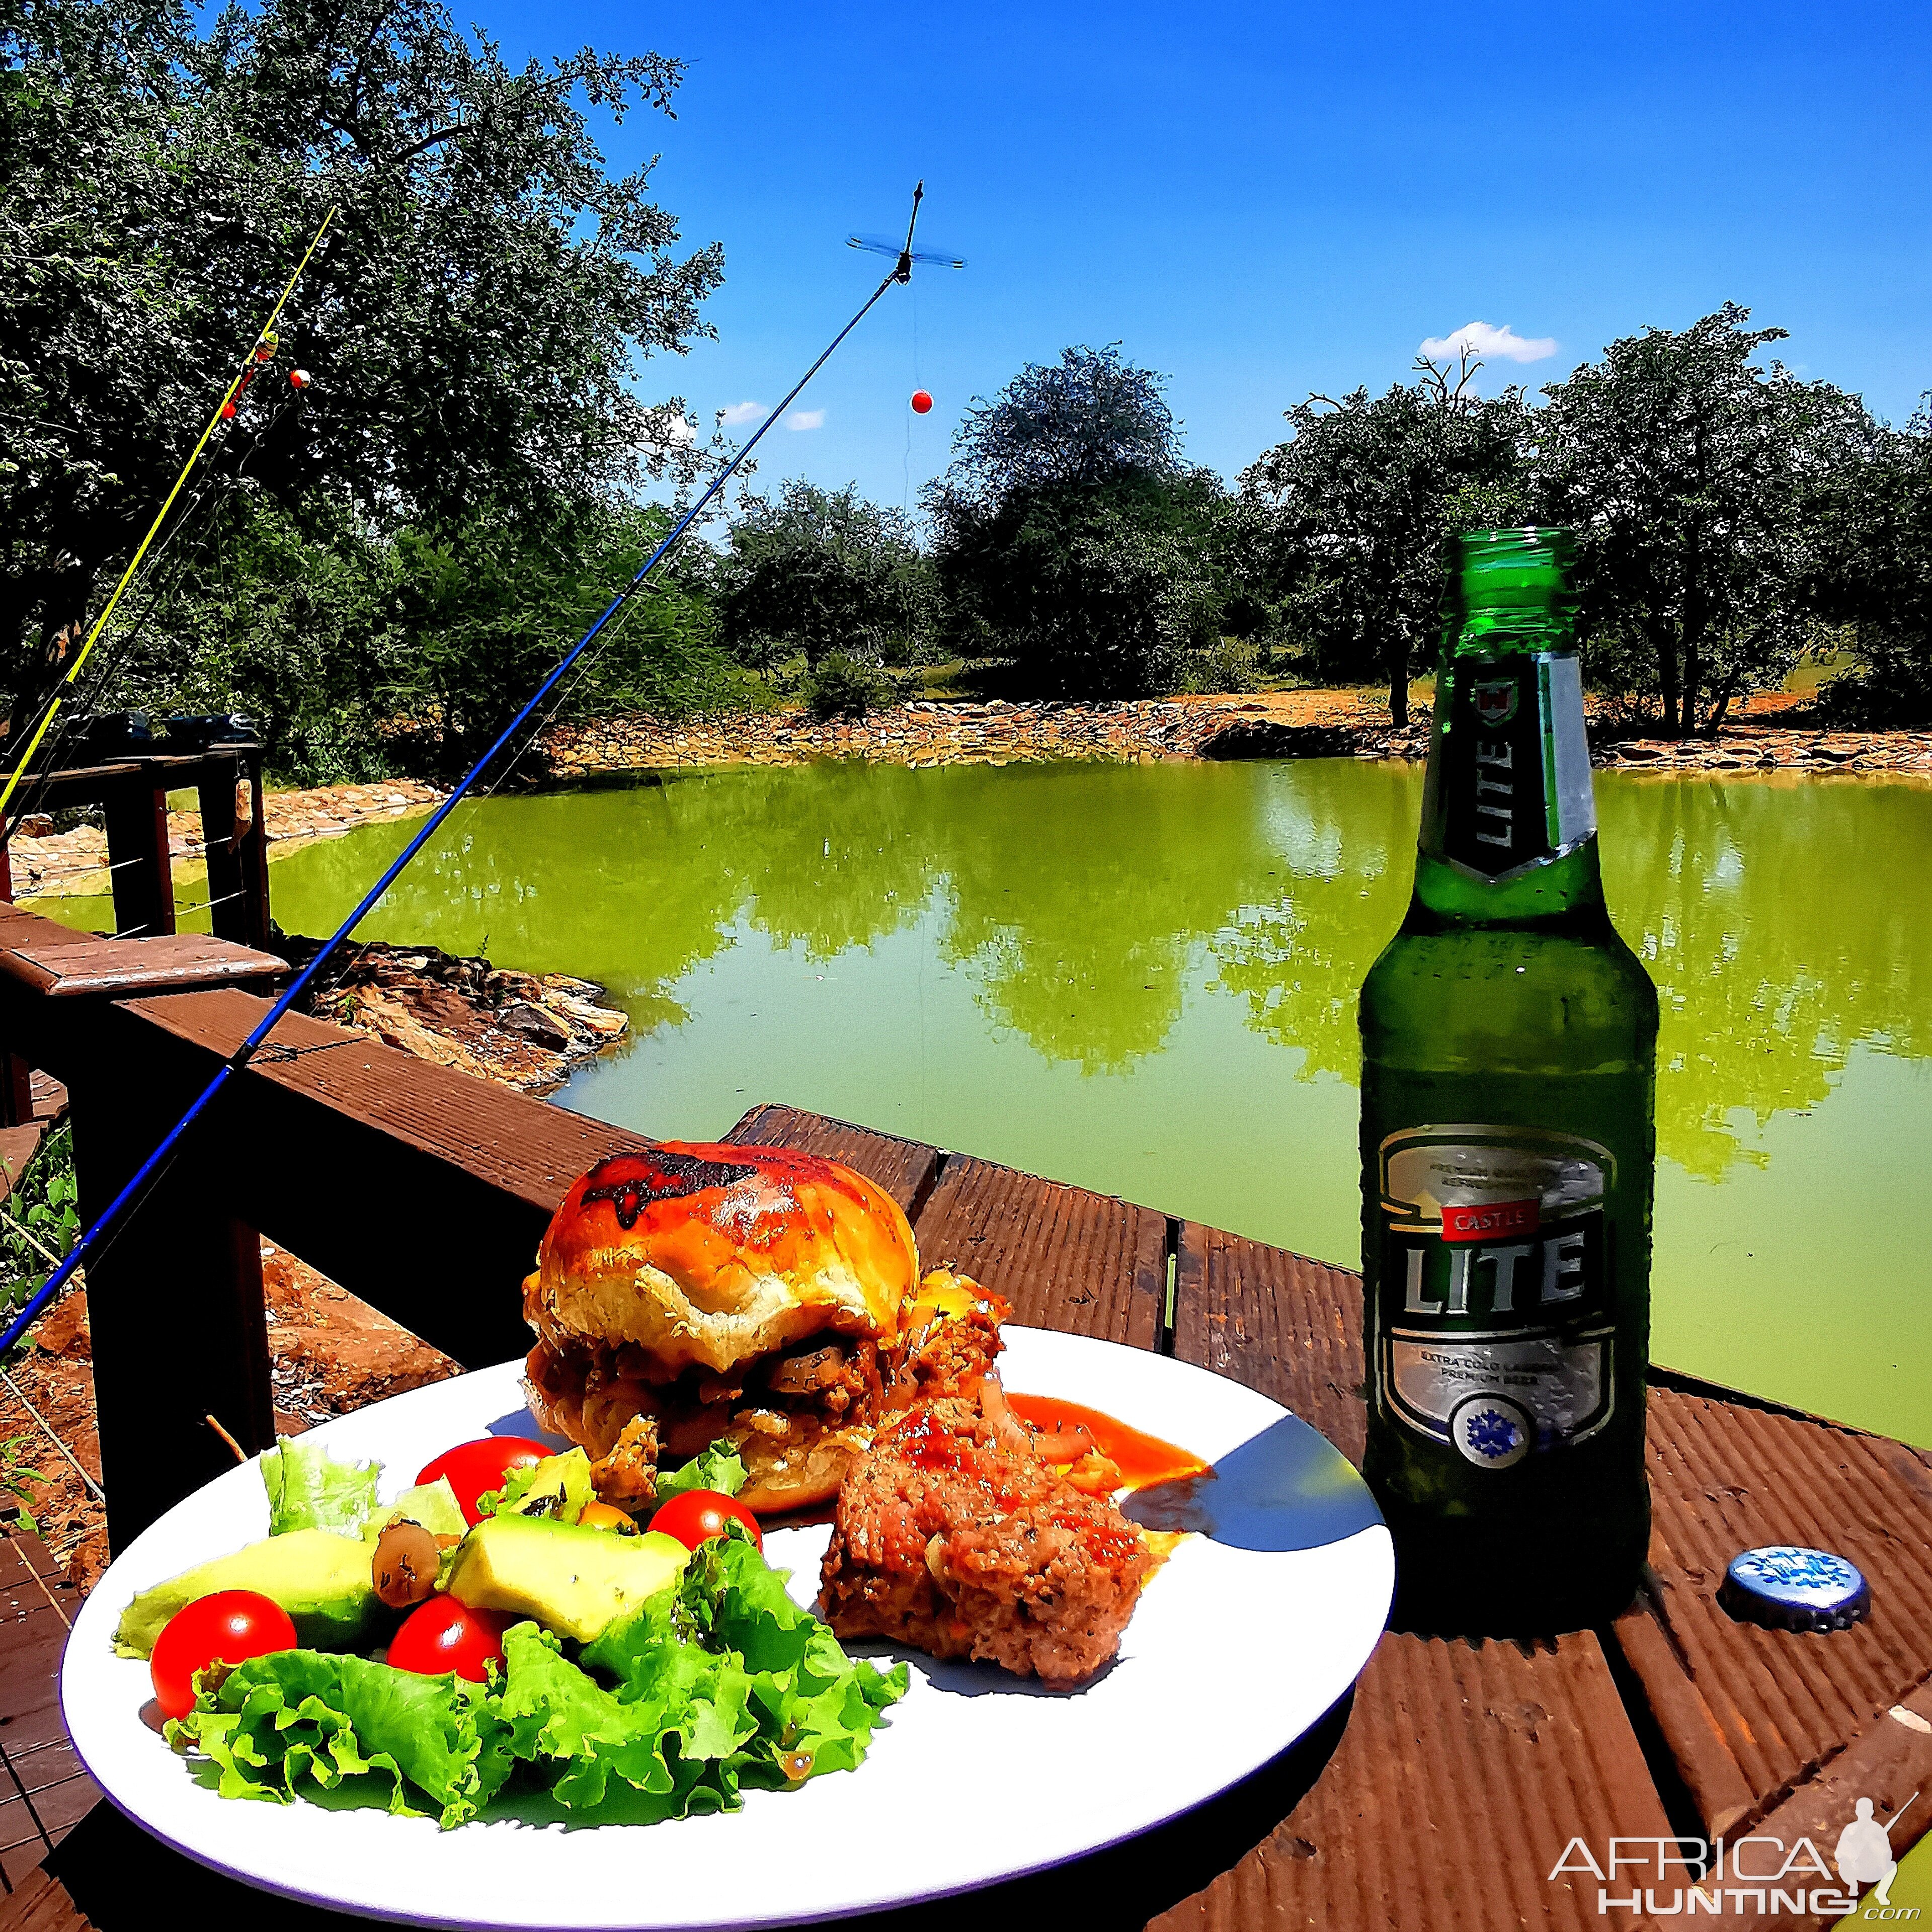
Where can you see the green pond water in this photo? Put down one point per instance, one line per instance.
(1142, 978)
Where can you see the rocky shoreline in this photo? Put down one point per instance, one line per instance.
(1284, 724)
(528, 1030)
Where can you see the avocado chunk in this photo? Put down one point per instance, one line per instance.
(320, 1577)
(571, 1580)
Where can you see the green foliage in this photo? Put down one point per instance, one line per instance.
(843, 686)
(1070, 538)
(1693, 479)
(18, 1481)
(820, 571)
(472, 325)
(1227, 664)
(1356, 507)
(1874, 574)
(483, 612)
(1088, 419)
(44, 1202)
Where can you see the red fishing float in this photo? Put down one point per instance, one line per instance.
(300, 378)
(227, 410)
(921, 402)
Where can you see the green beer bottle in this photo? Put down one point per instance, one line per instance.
(1509, 1043)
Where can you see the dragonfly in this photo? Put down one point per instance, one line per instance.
(880, 244)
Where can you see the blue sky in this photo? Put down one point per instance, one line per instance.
(1263, 201)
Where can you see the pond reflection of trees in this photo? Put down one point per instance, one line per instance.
(1784, 918)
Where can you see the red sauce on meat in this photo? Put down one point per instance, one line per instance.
(926, 1443)
(1142, 1459)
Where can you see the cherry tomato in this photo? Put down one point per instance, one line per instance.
(231, 1625)
(699, 1514)
(606, 1516)
(443, 1635)
(475, 1467)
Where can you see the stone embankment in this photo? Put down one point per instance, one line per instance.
(1277, 724)
(76, 862)
(1760, 748)
(994, 732)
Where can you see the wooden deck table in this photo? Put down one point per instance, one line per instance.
(1439, 1796)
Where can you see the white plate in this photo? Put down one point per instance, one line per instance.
(1241, 1642)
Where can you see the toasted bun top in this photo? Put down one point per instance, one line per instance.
(708, 1255)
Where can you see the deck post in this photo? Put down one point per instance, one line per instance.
(174, 1306)
(136, 807)
(16, 1077)
(237, 906)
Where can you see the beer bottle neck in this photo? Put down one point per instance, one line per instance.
(1509, 819)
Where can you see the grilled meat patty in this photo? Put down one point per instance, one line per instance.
(952, 1536)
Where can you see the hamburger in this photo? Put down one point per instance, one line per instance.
(697, 1292)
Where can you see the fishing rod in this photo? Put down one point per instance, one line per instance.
(262, 348)
(150, 1169)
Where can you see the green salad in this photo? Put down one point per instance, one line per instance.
(675, 1680)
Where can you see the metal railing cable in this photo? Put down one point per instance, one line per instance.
(98, 1233)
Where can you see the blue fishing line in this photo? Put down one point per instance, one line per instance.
(150, 1167)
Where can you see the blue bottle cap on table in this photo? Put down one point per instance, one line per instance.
(1785, 1586)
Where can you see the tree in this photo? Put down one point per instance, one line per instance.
(1070, 536)
(1087, 420)
(1364, 495)
(1692, 476)
(482, 614)
(819, 571)
(1874, 564)
(472, 325)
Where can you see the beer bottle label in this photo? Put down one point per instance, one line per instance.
(1492, 1326)
(1512, 764)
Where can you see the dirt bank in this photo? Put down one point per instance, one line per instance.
(76, 862)
(1769, 733)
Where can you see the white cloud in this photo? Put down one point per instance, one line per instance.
(1484, 338)
(806, 419)
(735, 413)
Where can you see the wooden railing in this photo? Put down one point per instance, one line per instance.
(422, 1191)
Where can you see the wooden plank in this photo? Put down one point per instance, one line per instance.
(40, 1903)
(116, 968)
(1089, 1263)
(905, 1169)
(1465, 1771)
(1466, 1767)
(1890, 1762)
(49, 1096)
(1247, 1310)
(18, 1146)
(1725, 1478)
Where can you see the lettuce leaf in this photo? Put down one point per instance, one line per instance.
(432, 1504)
(718, 1468)
(814, 1708)
(294, 1714)
(309, 1489)
(559, 1486)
